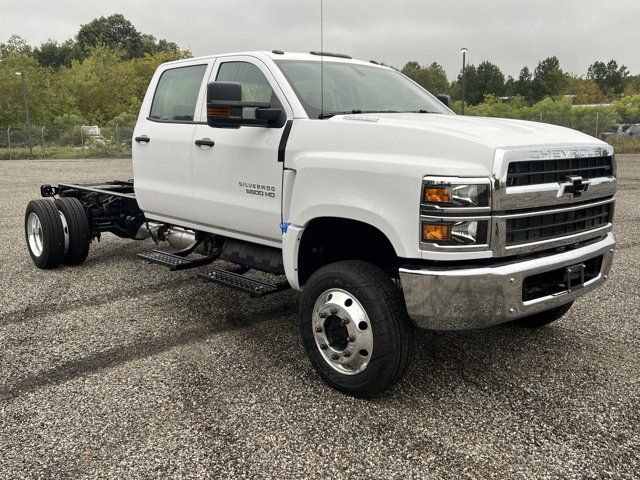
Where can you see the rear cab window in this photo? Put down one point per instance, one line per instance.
(177, 93)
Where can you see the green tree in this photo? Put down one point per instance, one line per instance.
(115, 32)
(152, 46)
(42, 87)
(633, 85)
(432, 77)
(15, 45)
(55, 55)
(485, 79)
(628, 108)
(510, 87)
(102, 85)
(611, 78)
(548, 79)
(490, 80)
(524, 85)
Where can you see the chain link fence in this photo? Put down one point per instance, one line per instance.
(82, 141)
(79, 141)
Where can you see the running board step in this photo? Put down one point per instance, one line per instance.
(255, 288)
(174, 262)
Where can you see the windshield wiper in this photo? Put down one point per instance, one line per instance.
(354, 112)
(420, 111)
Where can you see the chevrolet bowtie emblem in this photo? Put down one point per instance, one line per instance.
(573, 185)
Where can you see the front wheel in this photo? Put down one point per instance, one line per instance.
(355, 328)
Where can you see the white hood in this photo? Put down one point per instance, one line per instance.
(495, 132)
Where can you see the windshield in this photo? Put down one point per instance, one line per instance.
(354, 88)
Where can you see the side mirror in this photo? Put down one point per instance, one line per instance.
(225, 108)
(446, 99)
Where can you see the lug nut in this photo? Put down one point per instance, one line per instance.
(318, 329)
(322, 314)
(323, 346)
(345, 321)
(512, 310)
(512, 280)
(346, 354)
(351, 339)
(333, 311)
(335, 356)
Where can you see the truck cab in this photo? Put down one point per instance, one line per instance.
(354, 185)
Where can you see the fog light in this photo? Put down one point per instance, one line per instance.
(432, 232)
(455, 233)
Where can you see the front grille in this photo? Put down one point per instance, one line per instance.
(533, 172)
(557, 224)
(555, 281)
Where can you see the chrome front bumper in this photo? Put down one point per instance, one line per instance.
(461, 298)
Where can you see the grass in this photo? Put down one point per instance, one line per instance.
(623, 145)
(106, 150)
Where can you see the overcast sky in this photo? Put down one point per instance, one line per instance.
(510, 33)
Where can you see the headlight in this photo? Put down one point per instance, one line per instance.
(455, 233)
(455, 213)
(447, 193)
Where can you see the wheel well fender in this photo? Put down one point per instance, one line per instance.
(326, 240)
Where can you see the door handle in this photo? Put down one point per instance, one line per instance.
(142, 138)
(205, 142)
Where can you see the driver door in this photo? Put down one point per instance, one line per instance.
(238, 179)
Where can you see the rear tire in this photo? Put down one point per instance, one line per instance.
(77, 230)
(541, 319)
(44, 234)
(355, 328)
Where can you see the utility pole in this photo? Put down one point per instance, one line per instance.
(26, 112)
(464, 65)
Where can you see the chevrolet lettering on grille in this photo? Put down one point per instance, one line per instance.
(558, 153)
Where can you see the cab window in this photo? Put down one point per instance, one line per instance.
(255, 86)
(177, 93)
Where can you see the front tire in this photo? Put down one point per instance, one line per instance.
(541, 319)
(44, 234)
(355, 328)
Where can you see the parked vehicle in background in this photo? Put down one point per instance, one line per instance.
(624, 131)
(371, 197)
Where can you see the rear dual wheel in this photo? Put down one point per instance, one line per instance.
(76, 228)
(56, 232)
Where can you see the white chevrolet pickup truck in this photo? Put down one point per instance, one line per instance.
(347, 181)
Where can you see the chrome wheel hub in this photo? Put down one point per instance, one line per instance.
(34, 234)
(342, 331)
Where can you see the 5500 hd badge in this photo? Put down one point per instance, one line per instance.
(258, 189)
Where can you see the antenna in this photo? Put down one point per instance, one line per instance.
(321, 59)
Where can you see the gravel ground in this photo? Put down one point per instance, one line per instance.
(118, 368)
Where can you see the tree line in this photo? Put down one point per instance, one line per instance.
(603, 81)
(101, 74)
(98, 77)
